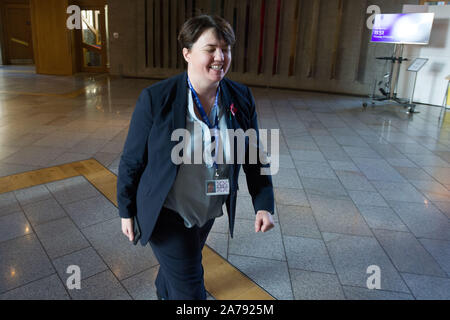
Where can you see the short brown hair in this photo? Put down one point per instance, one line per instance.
(193, 28)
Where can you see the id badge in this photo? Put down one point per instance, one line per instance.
(217, 187)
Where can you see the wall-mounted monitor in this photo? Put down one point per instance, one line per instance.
(402, 28)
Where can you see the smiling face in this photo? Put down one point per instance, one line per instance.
(209, 59)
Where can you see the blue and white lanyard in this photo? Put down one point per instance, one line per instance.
(205, 118)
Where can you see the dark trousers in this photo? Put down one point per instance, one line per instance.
(179, 252)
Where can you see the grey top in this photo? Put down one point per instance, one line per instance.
(188, 193)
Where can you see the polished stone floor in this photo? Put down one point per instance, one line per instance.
(356, 188)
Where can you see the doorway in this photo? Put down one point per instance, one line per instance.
(18, 37)
(92, 39)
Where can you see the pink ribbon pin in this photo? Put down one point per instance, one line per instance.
(233, 109)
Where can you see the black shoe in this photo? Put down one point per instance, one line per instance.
(158, 296)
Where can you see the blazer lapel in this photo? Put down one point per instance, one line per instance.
(232, 123)
(227, 100)
(180, 104)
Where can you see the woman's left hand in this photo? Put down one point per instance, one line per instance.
(263, 221)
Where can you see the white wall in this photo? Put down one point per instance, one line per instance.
(431, 84)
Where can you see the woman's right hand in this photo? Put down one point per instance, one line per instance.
(127, 228)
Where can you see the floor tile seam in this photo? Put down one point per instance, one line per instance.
(310, 238)
(378, 242)
(4, 177)
(315, 221)
(84, 235)
(43, 248)
(432, 239)
(82, 229)
(85, 239)
(219, 232)
(421, 245)
(53, 163)
(95, 250)
(433, 179)
(289, 188)
(100, 193)
(121, 285)
(31, 282)
(446, 277)
(360, 137)
(253, 257)
(285, 253)
(310, 270)
(253, 219)
(426, 275)
(48, 221)
(376, 189)
(375, 290)
(70, 253)
(140, 272)
(12, 213)
(290, 205)
(52, 197)
(421, 166)
(84, 199)
(417, 238)
(369, 205)
(415, 154)
(34, 145)
(58, 180)
(326, 246)
(403, 222)
(406, 283)
(258, 257)
(321, 273)
(48, 163)
(18, 237)
(365, 221)
(257, 285)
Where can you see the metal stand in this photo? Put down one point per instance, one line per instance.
(444, 104)
(414, 88)
(390, 96)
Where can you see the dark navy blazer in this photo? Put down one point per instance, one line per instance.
(146, 171)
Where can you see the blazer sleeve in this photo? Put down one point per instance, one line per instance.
(134, 156)
(259, 186)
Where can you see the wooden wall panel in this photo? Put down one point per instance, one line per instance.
(165, 33)
(321, 44)
(269, 39)
(313, 38)
(301, 61)
(88, 2)
(240, 6)
(52, 40)
(157, 40)
(336, 40)
(17, 34)
(294, 37)
(284, 50)
(255, 9)
(173, 48)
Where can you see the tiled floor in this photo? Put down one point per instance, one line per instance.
(356, 188)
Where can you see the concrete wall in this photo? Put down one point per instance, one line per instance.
(356, 66)
(1, 40)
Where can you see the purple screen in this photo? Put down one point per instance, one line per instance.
(412, 28)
